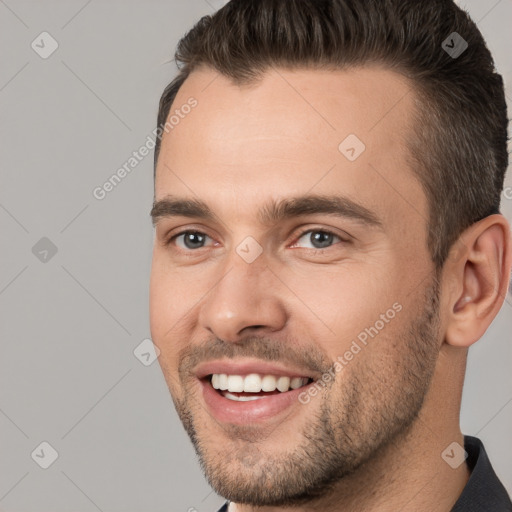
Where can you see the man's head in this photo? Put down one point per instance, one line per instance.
(352, 120)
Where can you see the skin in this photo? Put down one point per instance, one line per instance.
(275, 139)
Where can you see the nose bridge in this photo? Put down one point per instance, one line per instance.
(243, 297)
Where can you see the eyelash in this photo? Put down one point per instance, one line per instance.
(310, 230)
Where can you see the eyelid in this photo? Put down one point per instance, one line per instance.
(343, 238)
(170, 234)
(170, 238)
(306, 228)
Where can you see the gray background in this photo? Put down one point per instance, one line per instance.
(68, 375)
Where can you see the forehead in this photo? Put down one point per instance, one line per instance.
(289, 133)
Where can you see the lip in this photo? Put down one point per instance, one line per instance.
(248, 366)
(273, 406)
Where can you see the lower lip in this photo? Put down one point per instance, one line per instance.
(253, 411)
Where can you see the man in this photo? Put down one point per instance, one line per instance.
(328, 246)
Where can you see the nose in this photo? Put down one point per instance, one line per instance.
(246, 300)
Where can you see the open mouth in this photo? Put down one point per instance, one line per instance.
(254, 386)
(250, 392)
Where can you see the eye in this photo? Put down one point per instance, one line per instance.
(318, 238)
(189, 240)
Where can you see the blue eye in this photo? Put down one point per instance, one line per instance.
(191, 239)
(319, 238)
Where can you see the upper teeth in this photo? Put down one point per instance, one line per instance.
(254, 383)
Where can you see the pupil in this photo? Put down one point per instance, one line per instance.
(321, 238)
(193, 240)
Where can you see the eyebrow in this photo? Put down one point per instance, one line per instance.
(273, 211)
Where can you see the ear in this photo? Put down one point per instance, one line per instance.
(476, 277)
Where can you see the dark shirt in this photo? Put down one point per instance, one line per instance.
(483, 491)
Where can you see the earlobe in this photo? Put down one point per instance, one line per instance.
(481, 273)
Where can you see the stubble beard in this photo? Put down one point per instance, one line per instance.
(364, 412)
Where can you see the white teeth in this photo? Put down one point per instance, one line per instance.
(254, 383)
(296, 382)
(242, 398)
(223, 381)
(235, 383)
(268, 383)
(283, 384)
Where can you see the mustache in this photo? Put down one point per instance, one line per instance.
(307, 356)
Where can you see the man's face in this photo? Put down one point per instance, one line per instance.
(276, 286)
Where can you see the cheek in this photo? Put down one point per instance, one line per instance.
(174, 295)
(165, 325)
(346, 301)
(158, 301)
(167, 307)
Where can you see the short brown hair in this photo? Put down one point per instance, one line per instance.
(459, 146)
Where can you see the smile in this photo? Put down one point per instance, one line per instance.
(254, 386)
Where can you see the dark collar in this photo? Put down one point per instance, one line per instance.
(483, 491)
